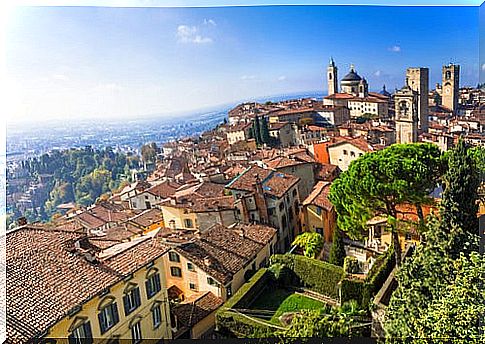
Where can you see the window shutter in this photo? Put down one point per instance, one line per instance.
(126, 304)
(102, 321)
(149, 291)
(88, 332)
(115, 313)
(71, 339)
(157, 282)
(137, 296)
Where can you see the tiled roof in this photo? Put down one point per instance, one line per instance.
(227, 249)
(282, 161)
(194, 309)
(164, 189)
(339, 96)
(319, 196)
(46, 279)
(327, 172)
(277, 125)
(274, 183)
(148, 217)
(358, 142)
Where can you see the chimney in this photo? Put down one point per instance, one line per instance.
(207, 261)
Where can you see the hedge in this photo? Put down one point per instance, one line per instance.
(354, 289)
(381, 269)
(249, 291)
(316, 275)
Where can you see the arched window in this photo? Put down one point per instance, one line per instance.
(80, 331)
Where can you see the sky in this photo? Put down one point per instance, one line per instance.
(108, 62)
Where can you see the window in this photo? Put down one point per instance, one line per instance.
(271, 211)
(294, 192)
(173, 257)
(282, 206)
(81, 334)
(108, 317)
(190, 266)
(156, 316)
(318, 210)
(152, 284)
(131, 300)
(345, 152)
(228, 291)
(192, 286)
(175, 271)
(211, 281)
(136, 333)
(188, 223)
(352, 153)
(171, 224)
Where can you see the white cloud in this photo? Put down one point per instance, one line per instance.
(378, 73)
(209, 22)
(483, 67)
(282, 78)
(395, 49)
(248, 77)
(190, 34)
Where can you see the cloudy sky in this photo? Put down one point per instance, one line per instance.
(86, 62)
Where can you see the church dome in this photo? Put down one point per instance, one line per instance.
(352, 76)
(384, 92)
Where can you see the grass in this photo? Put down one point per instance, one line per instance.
(281, 301)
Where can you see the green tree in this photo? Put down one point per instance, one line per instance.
(459, 200)
(310, 242)
(337, 251)
(437, 291)
(378, 182)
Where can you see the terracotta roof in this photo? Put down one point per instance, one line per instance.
(282, 162)
(358, 142)
(148, 217)
(339, 96)
(319, 196)
(194, 309)
(89, 220)
(239, 127)
(273, 183)
(164, 189)
(222, 252)
(327, 172)
(43, 261)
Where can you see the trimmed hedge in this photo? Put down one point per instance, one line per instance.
(316, 275)
(381, 269)
(353, 289)
(233, 324)
(249, 291)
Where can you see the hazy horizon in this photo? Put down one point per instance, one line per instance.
(66, 63)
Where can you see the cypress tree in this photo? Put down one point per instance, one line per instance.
(459, 205)
(265, 138)
(337, 251)
(257, 131)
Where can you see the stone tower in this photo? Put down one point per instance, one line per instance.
(332, 78)
(406, 107)
(451, 86)
(418, 80)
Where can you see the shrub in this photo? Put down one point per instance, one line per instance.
(337, 251)
(381, 269)
(357, 290)
(351, 265)
(316, 275)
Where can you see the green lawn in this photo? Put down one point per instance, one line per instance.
(282, 301)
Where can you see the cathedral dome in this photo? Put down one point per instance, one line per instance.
(352, 76)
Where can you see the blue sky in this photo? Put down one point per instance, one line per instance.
(83, 62)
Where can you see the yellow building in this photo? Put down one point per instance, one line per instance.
(318, 214)
(65, 285)
(206, 268)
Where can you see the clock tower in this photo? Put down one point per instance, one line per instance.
(332, 78)
(406, 110)
(451, 86)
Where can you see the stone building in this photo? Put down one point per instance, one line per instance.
(418, 79)
(451, 86)
(406, 109)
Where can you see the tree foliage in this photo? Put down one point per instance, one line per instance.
(310, 242)
(337, 251)
(440, 288)
(378, 182)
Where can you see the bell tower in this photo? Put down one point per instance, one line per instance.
(451, 86)
(406, 109)
(332, 78)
